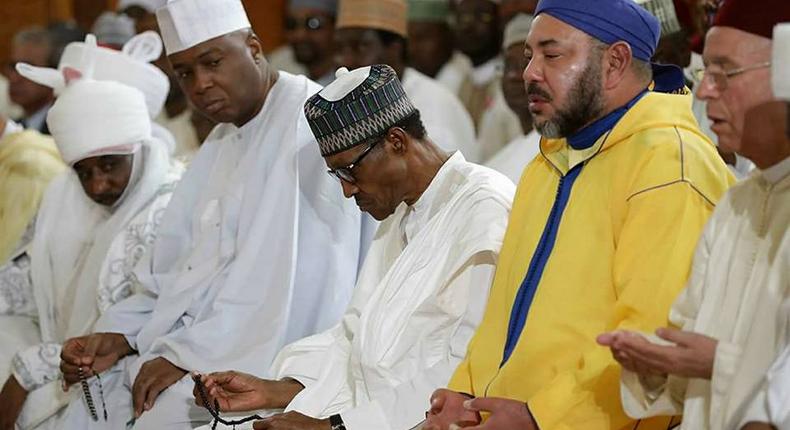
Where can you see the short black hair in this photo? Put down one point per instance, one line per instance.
(413, 125)
(388, 38)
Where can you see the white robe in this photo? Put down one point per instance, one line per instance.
(454, 72)
(257, 249)
(513, 158)
(420, 296)
(738, 284)
(445, 118)
(80, 263)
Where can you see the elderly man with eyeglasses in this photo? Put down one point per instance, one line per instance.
(731, 315)
(422, 289)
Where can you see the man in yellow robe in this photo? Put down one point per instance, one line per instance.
(603, 226)
(28, 161)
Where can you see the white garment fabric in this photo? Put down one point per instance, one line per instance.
(771, 401)
(420, 296)
(184, 134)
(284, 60)
(499, 125)
(444, 117)
(187, 23)
(11, 127)
(81, 262)
(256, 250)
(513, 158)
(735, 294)
(454, 72)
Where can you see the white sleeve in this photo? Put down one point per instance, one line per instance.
(771, 402)
(404, 406)
(37, 365)
(11, 127)
(16, 288)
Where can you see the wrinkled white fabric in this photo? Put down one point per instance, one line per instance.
(513, 158)
(420, 296)
(257, 249)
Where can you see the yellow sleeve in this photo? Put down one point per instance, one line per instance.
(651, 264)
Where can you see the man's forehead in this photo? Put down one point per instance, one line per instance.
(725, 45)
(549, 31)
(219, 44)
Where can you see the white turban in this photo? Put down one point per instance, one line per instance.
(91, 117)
(187, 23)
(132, 67)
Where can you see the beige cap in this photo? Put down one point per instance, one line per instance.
(387, 15)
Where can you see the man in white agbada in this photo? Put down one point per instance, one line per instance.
(730, 312)
(95, 222)
(376, 32)
(424, 285)
(514, 157)
(81, 124)
(257, 248)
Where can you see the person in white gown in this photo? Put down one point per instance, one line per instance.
(423, 287)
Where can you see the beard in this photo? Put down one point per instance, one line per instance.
(585, 103)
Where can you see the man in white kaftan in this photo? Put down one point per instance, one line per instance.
(257, 248)
(424, 285)
(730, 315)
(90, 232)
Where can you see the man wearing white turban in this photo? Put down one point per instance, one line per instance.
(95, 223)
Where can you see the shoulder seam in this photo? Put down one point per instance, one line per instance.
(682, 176)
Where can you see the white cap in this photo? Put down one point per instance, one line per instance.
(149, 5)
(781, 62)
(131, 66)
(187, 23)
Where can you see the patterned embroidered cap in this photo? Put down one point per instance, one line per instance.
(357, 106)
(665, 11)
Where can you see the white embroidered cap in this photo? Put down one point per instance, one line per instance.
(187, 23)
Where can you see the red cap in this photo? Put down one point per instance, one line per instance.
(756, 17)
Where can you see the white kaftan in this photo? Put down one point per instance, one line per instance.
(420, 296)
(735, 294)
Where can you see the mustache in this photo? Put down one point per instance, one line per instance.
(534, 90)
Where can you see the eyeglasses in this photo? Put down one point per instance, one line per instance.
(721, 77)
(89, 398)
(344, 173)
(309, 23)
(214, 410)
